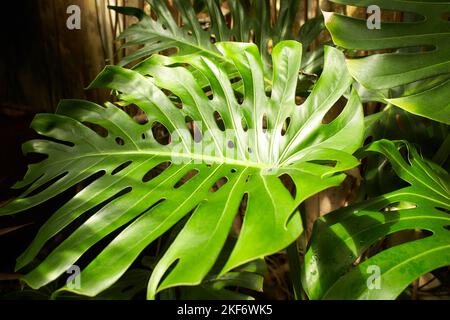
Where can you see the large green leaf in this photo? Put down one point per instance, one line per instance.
(341, 237)
(238, 158)
(422, 63)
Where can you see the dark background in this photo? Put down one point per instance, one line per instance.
(42, 62)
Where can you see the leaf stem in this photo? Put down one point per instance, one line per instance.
(295, 271)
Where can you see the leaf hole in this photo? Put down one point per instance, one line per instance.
(208, 92)
(156, 171)
(194, 130)
(414, 234)
(120, 141)
(334, 111)
(235, 80)
(121, 167)
(46, 184)
(34, 157)
(239, 218)
(136, 113)
(244, 124)
(239, 97)
(176, 101)
(392, 240)
(405, 154)
(285, 127)
(329, 163)
(82, 218)
(66, 143)
(188, 176)
(98, 129)
(443, 210)
(299, 100)
(219, 184)
(219, 121)
(446, 16)
(289, 184)
(264, 123)
(160, 133)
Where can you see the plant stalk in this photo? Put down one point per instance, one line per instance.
(295, 271)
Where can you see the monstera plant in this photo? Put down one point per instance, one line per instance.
(248, 21)
(251, 21)
(413, 73)
(238, 152)
(233, 137)
(343, 236)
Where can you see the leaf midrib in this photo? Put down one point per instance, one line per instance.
(170, 154)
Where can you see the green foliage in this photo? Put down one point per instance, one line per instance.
(241, 146)
(251, 22)
(416, 77)
(250, 276)
(394, 123)
(133, 285)
(341, 237)
(215, 170)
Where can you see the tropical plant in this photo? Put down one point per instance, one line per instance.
(394, 123)
(248, 21)
(236, 157)
(413, 72)
(343, 236)
(133, 285)
(233, 137)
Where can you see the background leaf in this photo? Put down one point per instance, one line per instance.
(420, 66)
(341, 237)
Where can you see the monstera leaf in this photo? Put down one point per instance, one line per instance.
(422, 63)
(225, 151)
(249, 276)
(251, 22)
(394, 123)
(341, 237)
